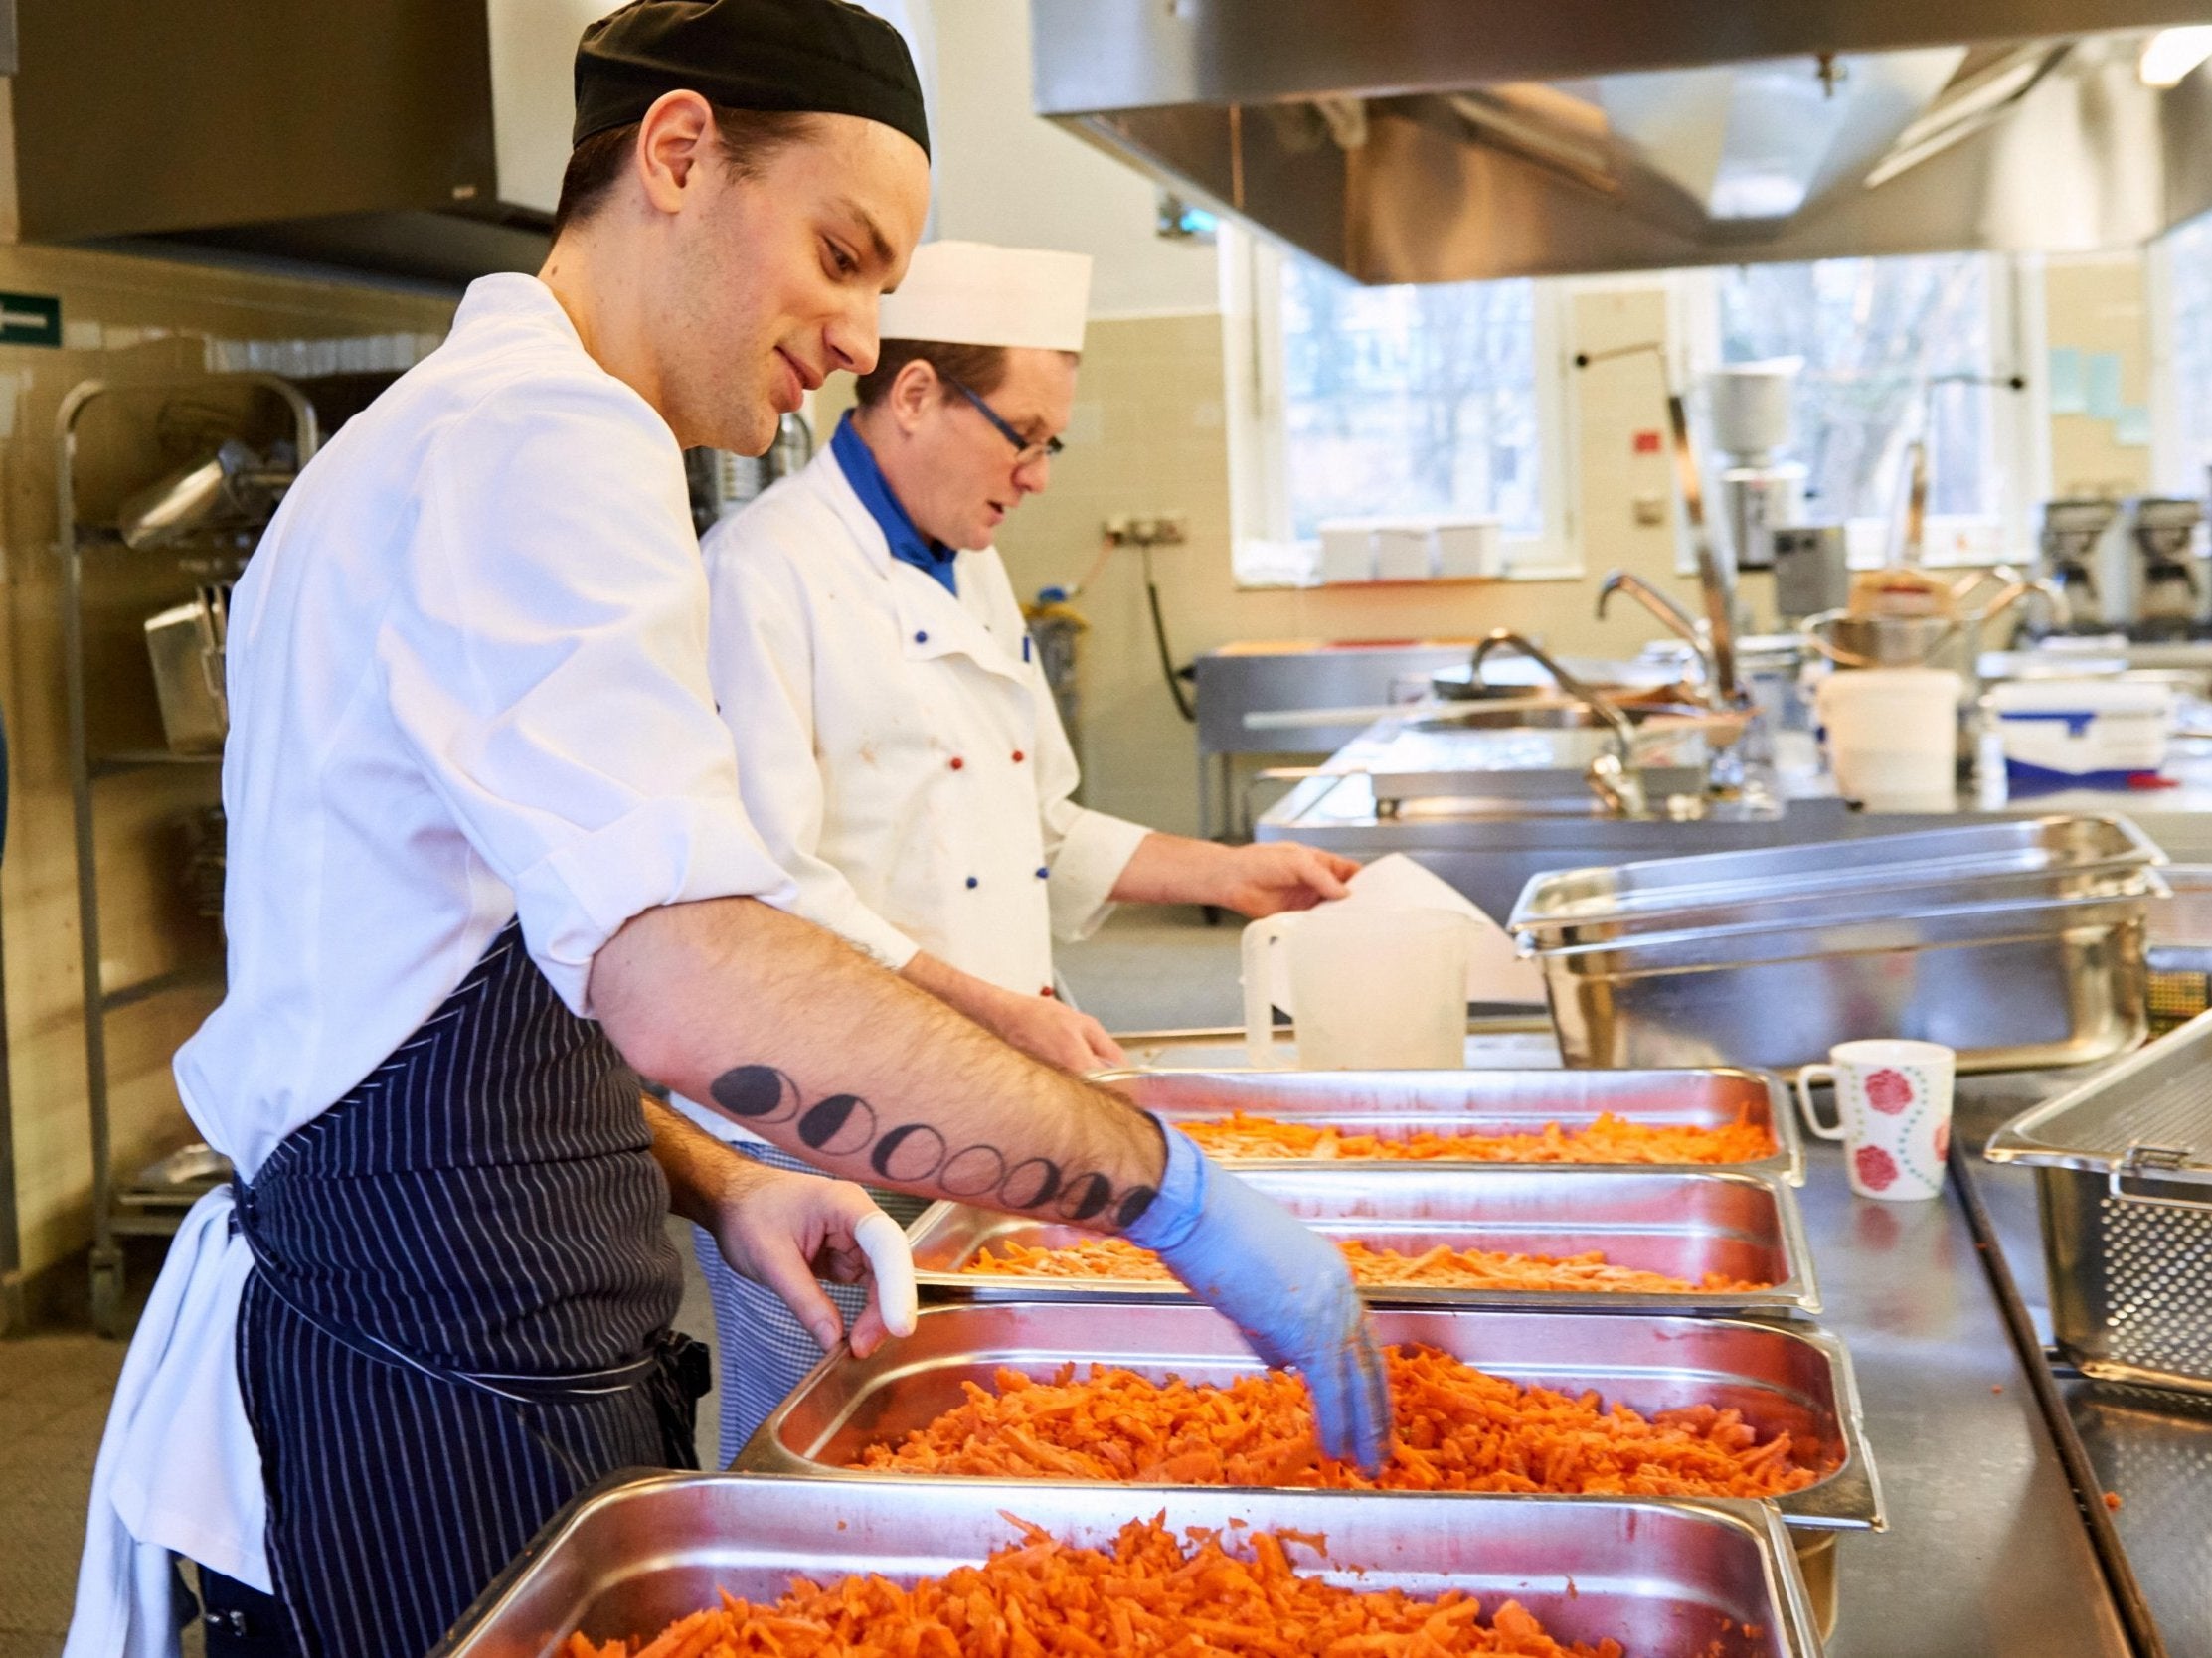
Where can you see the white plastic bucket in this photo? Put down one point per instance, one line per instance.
(1892, 737)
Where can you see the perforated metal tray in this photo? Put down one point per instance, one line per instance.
(1711, 1578)
(1685, 1225)
(2149, 1114)
(2123, 1185)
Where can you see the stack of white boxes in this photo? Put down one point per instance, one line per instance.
(1411, 548)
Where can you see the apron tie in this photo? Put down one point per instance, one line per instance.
(685, 1360)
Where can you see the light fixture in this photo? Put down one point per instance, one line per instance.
(2172, 53)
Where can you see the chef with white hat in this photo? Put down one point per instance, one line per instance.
(897, 747)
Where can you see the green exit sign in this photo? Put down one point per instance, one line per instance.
(30, 319)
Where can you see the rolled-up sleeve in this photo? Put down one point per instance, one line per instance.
(546, 657)
(1086, 851)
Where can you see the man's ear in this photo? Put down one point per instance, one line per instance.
(672, 143)
(913, 390)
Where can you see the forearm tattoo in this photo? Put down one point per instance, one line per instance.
(916, 1154)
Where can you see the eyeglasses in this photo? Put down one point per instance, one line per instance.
(1026, 453)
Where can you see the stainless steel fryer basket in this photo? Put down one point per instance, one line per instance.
(2124, 1187)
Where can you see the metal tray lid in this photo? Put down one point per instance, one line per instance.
(2148, 1116)
(1955, 859)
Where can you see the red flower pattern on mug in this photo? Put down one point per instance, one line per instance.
(1877, 1168)
(1888, 1091)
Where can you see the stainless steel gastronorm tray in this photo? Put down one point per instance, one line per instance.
(2016, 985)
(1685, 1225)
(2037, 859)
(1395, 1104)
(1659, 1578)
(1792, 1379)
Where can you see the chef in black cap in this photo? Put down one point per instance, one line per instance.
(490, 865)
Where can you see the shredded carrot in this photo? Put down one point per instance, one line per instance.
(1608, 1139)
(1457, 1429)
(1149, 1593)
(1443, 1267)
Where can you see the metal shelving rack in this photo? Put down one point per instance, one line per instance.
(122, 1207)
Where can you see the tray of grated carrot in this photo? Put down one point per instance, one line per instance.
(1712, 1119)
(684, 1566)
(1568, 1405)
(1418, 1234)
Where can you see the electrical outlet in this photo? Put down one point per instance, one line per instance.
(1170, 529)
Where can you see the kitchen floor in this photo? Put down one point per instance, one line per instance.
(1146, 969)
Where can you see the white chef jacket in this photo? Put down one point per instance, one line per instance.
(467, 680)
(897, 747)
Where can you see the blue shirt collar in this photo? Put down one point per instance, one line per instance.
(907, 544)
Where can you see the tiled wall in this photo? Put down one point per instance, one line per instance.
(2095, 307)
(123, 318)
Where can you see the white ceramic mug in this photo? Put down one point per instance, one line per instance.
(1370, 987)
(1893, 1106)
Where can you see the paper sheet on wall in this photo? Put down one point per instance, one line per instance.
(2104, 386)
(2068, 393)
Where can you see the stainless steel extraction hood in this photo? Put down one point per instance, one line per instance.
(1442, 140)
(416, 137)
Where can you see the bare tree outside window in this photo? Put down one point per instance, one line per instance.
(1877, 335)
(1408, 400)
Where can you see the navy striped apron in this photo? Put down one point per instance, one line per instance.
(459, 1315)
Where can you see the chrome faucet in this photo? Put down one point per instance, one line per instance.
(1672, 616)
(1612, 778)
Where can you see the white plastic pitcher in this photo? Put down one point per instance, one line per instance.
(1371, 987)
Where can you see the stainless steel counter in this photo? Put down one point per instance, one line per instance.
(1491, 857)
(1985, 1553)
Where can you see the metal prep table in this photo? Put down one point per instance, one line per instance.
(1254, 676)
(1491, 858)
(1987, 1555)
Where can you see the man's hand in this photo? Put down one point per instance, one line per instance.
(1043, 1027)
(1268, 877)
(1257, 879)
(1284, 1286)
(1050, 1030)
(789, 1229)
(783, 1230)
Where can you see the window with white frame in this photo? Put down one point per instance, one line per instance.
(1896, 350)
(1423, 400)
(2189, 284)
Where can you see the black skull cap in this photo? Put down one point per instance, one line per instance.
(818, 57)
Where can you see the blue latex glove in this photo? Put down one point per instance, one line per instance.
(1285, 1287)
